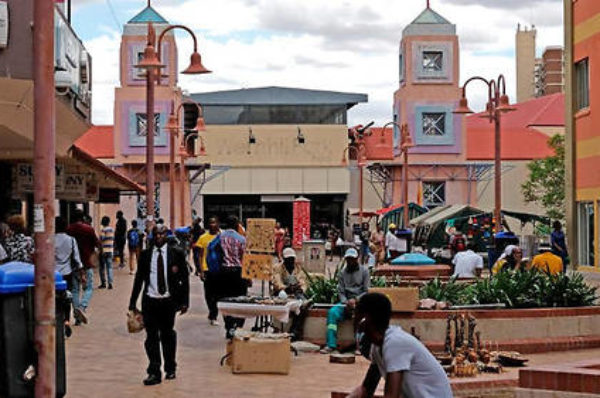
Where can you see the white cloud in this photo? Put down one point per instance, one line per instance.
(338, 45)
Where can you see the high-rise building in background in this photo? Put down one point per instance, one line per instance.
(549, 72)
(526, 62)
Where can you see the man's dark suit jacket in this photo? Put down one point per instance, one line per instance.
(177, 277)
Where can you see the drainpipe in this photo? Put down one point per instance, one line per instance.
(44, 159)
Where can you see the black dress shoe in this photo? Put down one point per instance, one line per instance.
(170, 376)
(102, 286)
(152, 380)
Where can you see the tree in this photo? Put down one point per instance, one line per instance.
(546, 183)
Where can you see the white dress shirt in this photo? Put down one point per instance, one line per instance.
(153, 287)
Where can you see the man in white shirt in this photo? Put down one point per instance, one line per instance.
(394, 245)
(467, 264)
(163, 273)
(409, 369)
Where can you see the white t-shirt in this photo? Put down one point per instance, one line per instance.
(465, 264)
(423, 376)
(392, 242)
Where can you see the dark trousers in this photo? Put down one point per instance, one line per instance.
(211, 294)
(231, 284)
(159, 320)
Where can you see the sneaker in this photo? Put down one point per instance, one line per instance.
(110, 286)
(80, 316)
(102, 286)
(326, 350)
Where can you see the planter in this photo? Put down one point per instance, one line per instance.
(403, 299)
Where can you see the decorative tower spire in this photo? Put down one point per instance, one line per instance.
(428, 5)
(149, 5)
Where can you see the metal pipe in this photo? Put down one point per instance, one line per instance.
(497, 172)
(405, 184)
(182, 179)
(172, 134)
(44, 162)
(150, 134)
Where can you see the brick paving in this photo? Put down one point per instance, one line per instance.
(103, 360)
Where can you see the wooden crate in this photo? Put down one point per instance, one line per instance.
(261, 355)
(404, 299)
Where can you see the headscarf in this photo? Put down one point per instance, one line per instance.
(508, 251)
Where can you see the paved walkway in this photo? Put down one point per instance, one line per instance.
(103, 360)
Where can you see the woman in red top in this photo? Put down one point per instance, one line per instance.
(279, 240)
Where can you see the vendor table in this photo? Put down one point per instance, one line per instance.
(247, 310)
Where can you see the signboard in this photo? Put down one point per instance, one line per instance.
(24, 178)
(75, 187)
(257, 266)
(260, 235)
(301, 222)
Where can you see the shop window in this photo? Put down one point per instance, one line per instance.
(582, 75)
(434, 124)
(434, 194)
(586, 233)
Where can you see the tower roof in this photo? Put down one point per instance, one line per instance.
(148, 14)
(428, 16)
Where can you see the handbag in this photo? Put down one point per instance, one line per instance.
(135, 321)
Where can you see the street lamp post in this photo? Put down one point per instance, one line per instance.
(498, 103)
(173, 127)
(151, 62)
(361, 158)
(405, 143)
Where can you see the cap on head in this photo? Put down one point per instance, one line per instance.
(392, 226)
(351, 253)
(288, 252)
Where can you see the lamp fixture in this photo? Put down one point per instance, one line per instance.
(300, 137)
(251, 137)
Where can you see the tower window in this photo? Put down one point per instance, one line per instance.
(434, 124)
(434, 194)
(433, 61)
(142, 126)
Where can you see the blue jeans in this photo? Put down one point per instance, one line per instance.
(87, 292)
(335, 315)
(106, 269)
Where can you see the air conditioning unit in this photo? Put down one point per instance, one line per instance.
(63, 79)
(3, 24)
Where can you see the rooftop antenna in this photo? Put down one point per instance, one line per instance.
(428, 5)
(149, 3)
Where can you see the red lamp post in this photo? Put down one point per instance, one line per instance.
(151, 62)
(498, 103)
(405, 143)
(173, 127)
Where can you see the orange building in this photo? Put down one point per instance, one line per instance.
(582, 22)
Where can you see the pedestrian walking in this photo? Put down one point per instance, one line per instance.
(83, 283)
(107, 237)
(231, 282)
(210, 278)
(135, 239)
(559, 244)
(68, 263)
(378, 244)
(163, 279)
(18, 246)
(120, 238)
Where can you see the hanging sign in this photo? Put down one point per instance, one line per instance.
(24, 177)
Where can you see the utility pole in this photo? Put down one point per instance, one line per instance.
(44, 175)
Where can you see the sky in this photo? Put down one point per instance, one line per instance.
(338, 45)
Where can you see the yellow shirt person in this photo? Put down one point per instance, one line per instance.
(202, 243)
(547, 261)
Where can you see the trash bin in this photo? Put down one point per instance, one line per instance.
(17, 352)
(501, 240)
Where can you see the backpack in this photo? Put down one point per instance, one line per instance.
(133, 236)
(214, 255)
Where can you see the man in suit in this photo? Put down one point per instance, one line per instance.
(163, 274)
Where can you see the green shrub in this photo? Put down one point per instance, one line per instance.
(323, 289)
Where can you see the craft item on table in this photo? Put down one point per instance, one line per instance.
(461, 333)
(257, 266)
(472, 326)
(260, 236)
(448, 343)
(478, 337)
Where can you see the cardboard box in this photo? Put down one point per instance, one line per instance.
(261, 354)
(404, 299)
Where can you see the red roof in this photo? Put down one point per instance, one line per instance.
(378, 147)
(98, 142)
(520, 138)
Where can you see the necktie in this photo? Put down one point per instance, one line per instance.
(160, 269)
